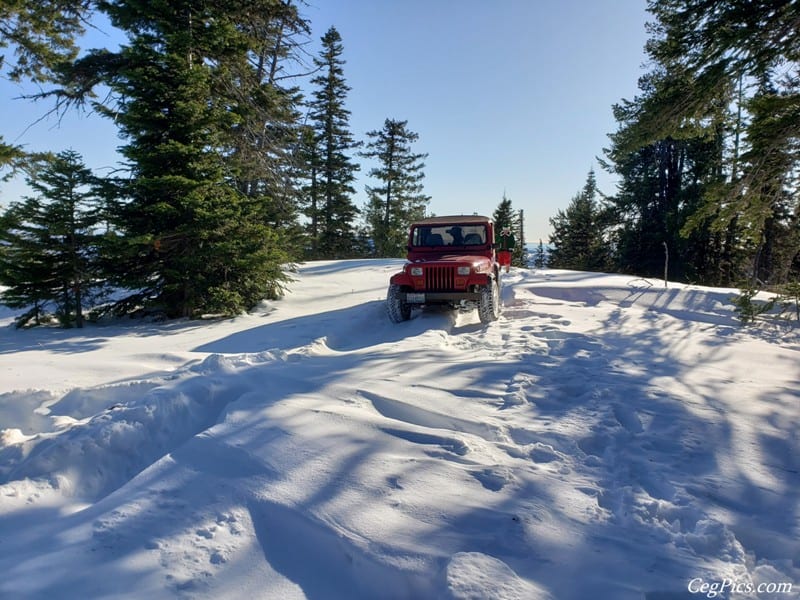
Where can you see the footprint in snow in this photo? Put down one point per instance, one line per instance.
(493, 479)
(449, 444)
(544, 453)
(627, 417)
(478, 575)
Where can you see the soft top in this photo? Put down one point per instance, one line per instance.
(453, 219)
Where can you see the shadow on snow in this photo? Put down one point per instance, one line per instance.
(646, 457)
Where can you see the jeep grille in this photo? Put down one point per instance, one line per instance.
(440, 278)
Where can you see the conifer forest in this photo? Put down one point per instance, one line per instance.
(231, 173)
(706, 154)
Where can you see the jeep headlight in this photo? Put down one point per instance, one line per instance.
(463, 270)
(416, 271)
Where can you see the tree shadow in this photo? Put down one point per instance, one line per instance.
(93, 336)
(340, 266)
(596, 464)
(636, 450)
(346, 329)
(51, 340)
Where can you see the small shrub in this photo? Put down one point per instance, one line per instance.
(789, 298)
(747, 308)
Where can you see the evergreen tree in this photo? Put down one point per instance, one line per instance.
(12, 158)
(9, 154)
(399, 200)
(772, 220)
(42, 35)
(332, 171)
(519, 255)
(540, 256)
(308, 163)
(666, 175)
(577, 240)
(266, 132)
(505, 216)
(661, 187)
(189, 240)
(51, 243)
(740, 168)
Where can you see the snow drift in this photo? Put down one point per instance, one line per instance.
(607, 437)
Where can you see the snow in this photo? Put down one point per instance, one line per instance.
(607, 437)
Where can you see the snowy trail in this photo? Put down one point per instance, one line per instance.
(604, 438)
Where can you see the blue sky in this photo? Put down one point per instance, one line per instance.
(507, 96)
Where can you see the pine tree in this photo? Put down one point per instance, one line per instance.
(399, 200)
(308, 163)
(519, 256)
(52, 243)
(332, 171)
(540, 256)
(577, 238)
(770, 220)
(201, 220)
(267, 108)
(42, 35)
(505, 216)
(188, 240)
(736, 195)
(666, 175)
(9, 155)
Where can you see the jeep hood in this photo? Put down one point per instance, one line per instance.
(453, 259)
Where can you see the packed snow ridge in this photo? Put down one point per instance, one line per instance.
(607, 437)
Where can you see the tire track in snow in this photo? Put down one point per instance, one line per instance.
(485, 436)
(105, 451)
(341, 568)
(600, 418)
(399, 410)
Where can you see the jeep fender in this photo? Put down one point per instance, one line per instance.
(402, 279)
(481, 279)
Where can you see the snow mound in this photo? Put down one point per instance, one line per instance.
(477, 576)
(91, 457)
(604, 438)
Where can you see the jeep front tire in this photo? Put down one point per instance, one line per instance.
(489, 302)
(399, 310)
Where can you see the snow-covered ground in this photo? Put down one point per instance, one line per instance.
(606, 438)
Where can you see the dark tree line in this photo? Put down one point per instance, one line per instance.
(707, 153)
(576, 242)
(230, 173)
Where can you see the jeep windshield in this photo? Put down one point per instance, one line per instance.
(427, 236)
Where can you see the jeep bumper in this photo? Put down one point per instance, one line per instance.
(434, 297)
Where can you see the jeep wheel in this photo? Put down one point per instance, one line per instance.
(489, 303)
(399, 310)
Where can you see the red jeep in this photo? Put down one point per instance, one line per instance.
(451, 261)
